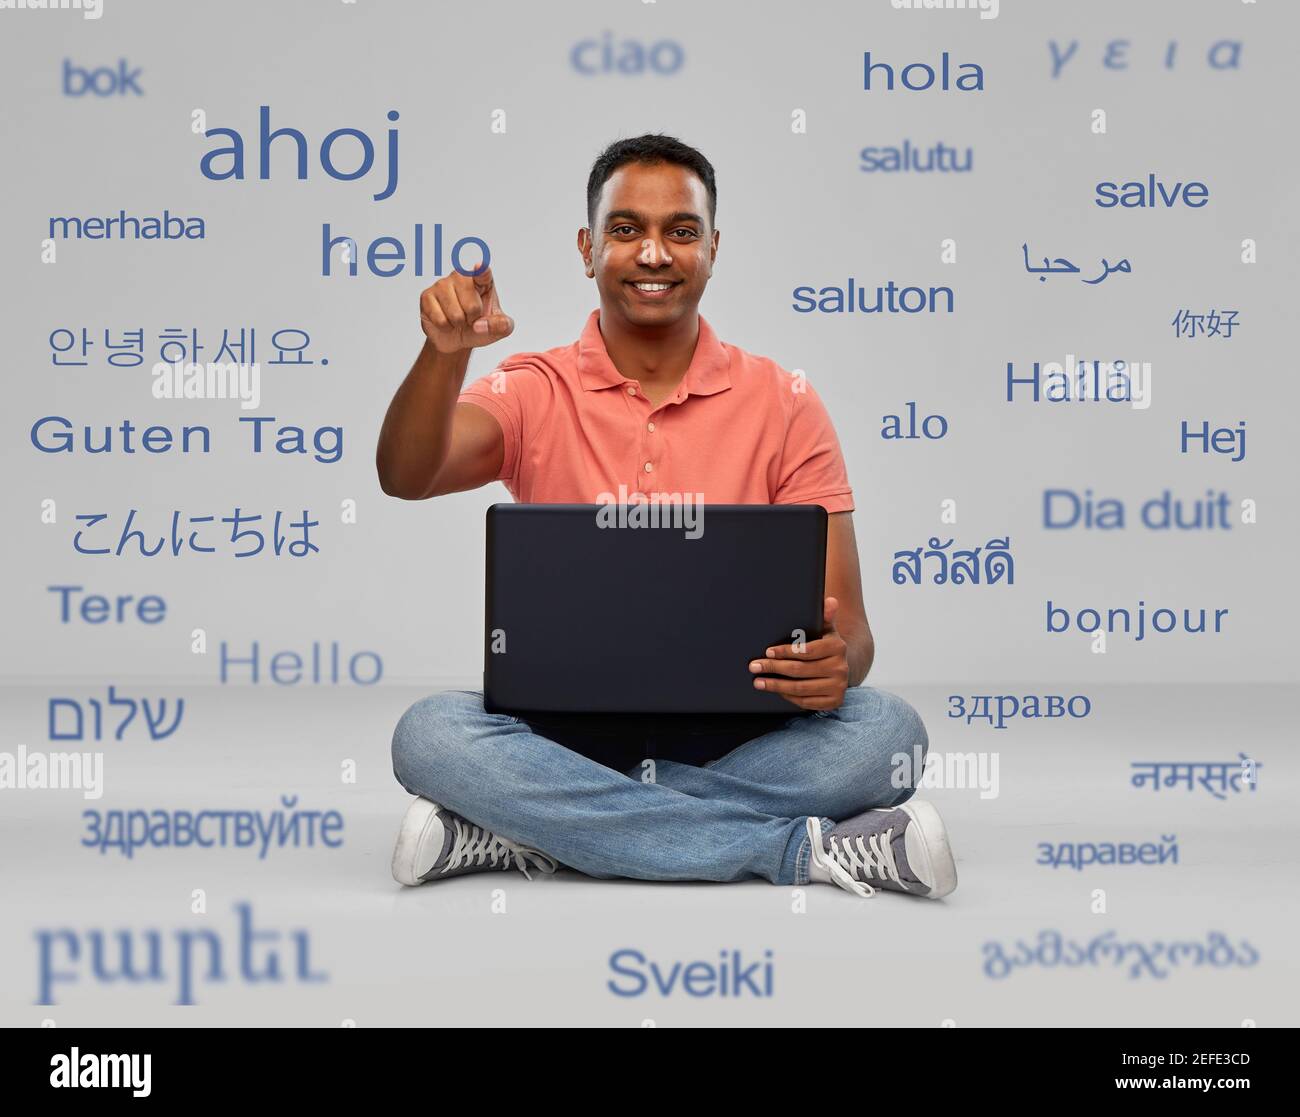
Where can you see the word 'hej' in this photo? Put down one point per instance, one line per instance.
(964, 566)
(1221, 440)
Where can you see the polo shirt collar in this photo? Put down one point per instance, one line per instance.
(709, 370)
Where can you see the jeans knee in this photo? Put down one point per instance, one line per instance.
(906, 729)
(886, 723)
(889, 743)
(425, 736)
(909, 745)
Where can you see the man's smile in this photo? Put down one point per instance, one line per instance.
(653, 289)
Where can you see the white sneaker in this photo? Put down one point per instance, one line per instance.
(434, 843)
(903, 849)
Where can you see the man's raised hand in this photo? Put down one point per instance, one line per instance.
(462, 312)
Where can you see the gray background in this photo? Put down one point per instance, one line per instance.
(407, 580)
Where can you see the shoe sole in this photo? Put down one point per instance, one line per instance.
(420, 815)
(940, 868)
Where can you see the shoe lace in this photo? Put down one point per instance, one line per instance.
(850, 863)
(472, 845)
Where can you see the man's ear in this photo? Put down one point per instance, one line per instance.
(585, 248)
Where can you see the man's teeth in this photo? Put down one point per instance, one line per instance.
(652, 286)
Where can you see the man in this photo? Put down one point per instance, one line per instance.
(649, 398)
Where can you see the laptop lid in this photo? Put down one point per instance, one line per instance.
(603, 609)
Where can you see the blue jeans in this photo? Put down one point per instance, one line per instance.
(739, 816)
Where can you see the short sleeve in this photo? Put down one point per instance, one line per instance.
(493, 394)
(812, 465)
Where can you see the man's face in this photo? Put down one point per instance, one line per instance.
(651, 227)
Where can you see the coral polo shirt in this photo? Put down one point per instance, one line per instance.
(739, 429)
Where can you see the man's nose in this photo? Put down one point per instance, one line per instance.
(654, 253)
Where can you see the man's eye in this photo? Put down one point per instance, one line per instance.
(620, 228)
(688, 232)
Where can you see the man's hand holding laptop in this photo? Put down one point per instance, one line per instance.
(815, 673)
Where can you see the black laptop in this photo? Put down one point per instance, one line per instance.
(605, 609)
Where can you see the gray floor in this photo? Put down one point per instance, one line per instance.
(441, 955)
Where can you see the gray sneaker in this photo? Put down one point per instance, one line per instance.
(434, 843)
(903, 849)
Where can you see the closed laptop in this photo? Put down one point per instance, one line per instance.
(607, 609)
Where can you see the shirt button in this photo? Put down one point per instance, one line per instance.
(650, 427)
(631, 391)
(648, 467)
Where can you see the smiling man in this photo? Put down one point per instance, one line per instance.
(649, 398)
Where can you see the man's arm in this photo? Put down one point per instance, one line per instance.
(844, 583)
(429, 445)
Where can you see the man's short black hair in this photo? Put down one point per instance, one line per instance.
(650, 148)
